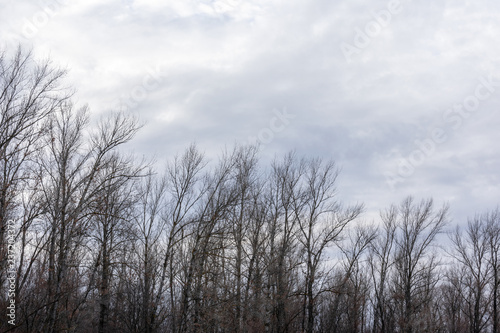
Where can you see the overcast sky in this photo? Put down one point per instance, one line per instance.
(404, 95)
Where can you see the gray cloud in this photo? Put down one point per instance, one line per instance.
(223, 68)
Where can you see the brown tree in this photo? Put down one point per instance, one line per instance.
(30, 91)
(415, 266)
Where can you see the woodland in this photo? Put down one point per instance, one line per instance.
(93, 239)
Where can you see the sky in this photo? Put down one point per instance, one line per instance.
(403, 94)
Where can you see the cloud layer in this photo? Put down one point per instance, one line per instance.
(219, 72)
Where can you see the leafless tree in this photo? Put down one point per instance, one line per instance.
(111, 221)
(29, 92)
(492, 221)
(182, 179)
(218, 196)
(321, 219)
(418, 224)
(347, 294)
(476, 253)
(282, 258)
(451, 302)
(107, 243)
(73, 167)
(381, 268)
(150, 225)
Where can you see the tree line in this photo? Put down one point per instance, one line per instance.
(105, 242)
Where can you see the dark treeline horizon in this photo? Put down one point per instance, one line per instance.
(100, 241)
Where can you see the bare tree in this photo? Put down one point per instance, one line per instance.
(218, 196)
(73, 168)
(257, 241)
(348, 289)
(182, 178)
(472, 251)
(321, 219)
(381, 268)
(105, 243)
(282, 257)
(112, 213)
(492, 221)
(418, 224)
(452, 302)
(150, 225)
(238, 224)
(29, 92)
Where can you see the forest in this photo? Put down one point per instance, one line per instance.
(93, 239)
